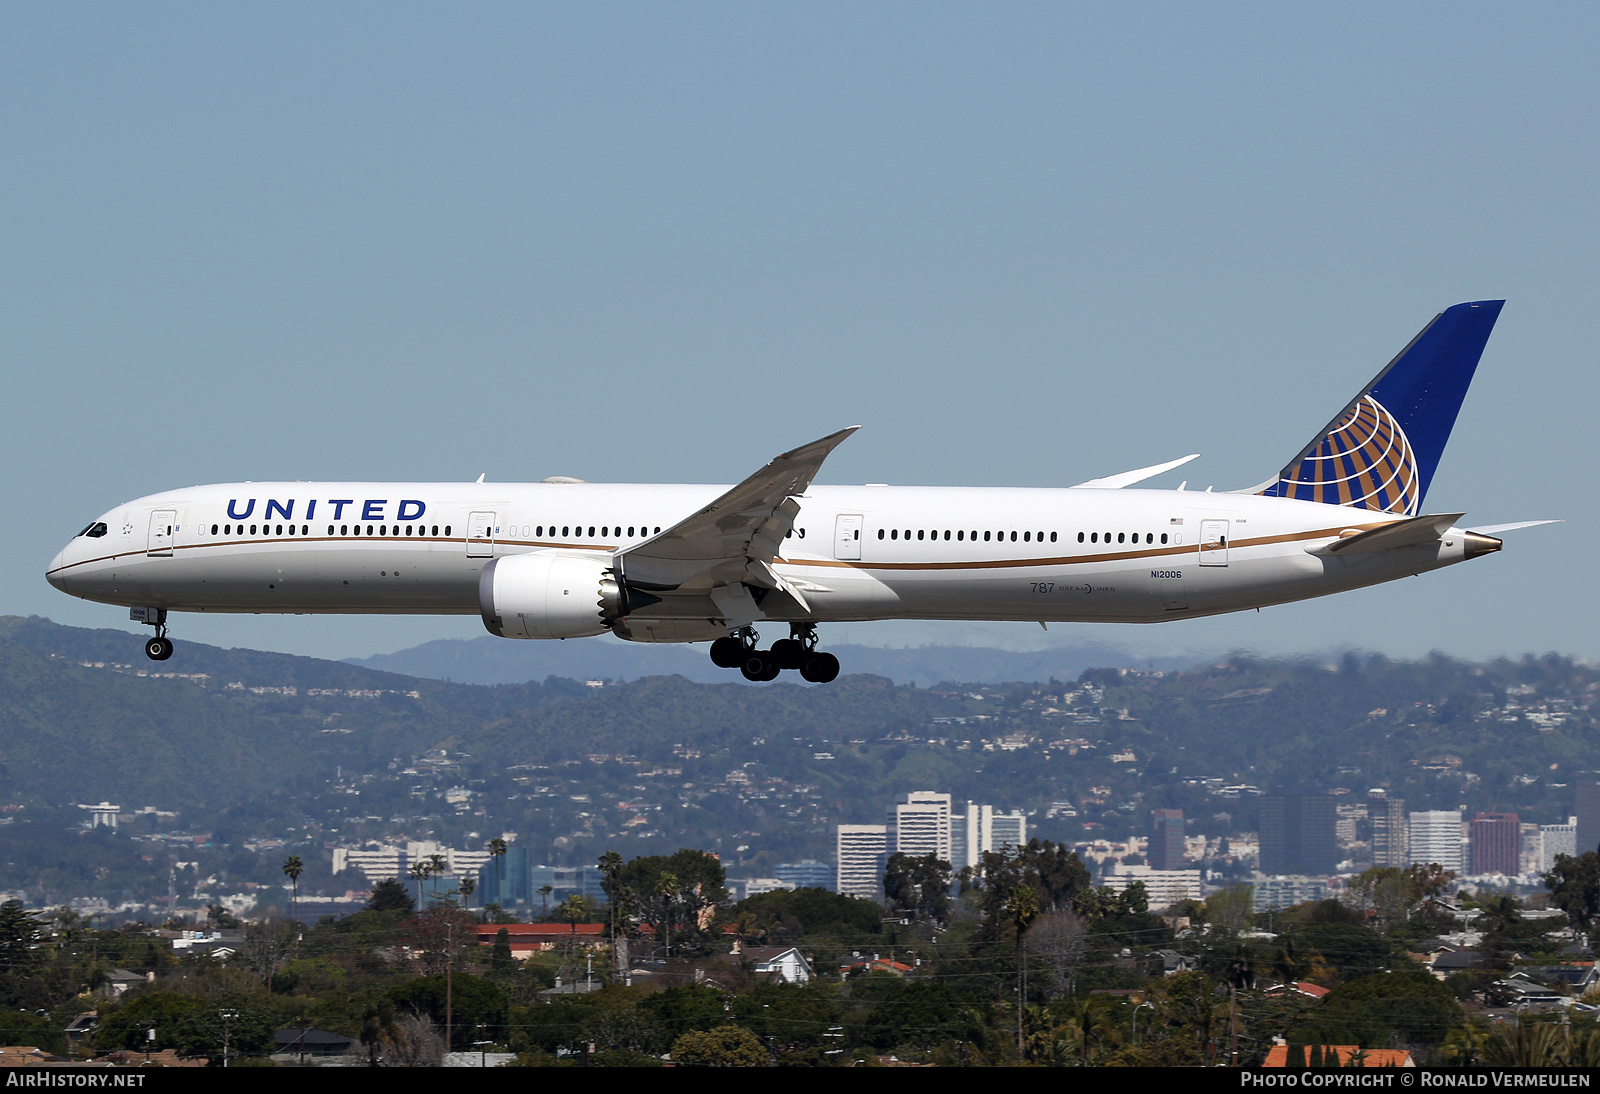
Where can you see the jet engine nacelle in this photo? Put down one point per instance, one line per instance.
(548, 594)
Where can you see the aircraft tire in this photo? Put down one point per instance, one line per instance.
(759, 666)
(158, 649)
(789, 653)
(820, 668)
(727, 653)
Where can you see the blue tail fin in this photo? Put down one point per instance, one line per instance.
(1381, 451)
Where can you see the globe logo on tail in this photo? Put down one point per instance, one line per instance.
(1364, 462)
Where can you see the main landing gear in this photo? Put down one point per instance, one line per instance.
(798, 651)
(158, 648)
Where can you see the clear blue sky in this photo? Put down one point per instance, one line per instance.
(1020, 244)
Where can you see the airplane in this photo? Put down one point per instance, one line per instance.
(564, 558)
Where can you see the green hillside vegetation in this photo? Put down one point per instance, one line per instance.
(252, 747)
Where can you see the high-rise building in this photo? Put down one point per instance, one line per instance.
(1390, 837)
(1435, 837)
(1496, 844)
(980, 828)
(920, 825)
(1166, 839)
(805, 874)
(1297, 834)
(1556, 839)
(1588, 810)
(861, 850)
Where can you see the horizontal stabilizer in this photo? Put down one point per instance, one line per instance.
(1401, 533)
(1496, 529)
(1128, 478)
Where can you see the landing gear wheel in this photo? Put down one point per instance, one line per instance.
(820, 668)
(759, 666)
(158, 648)
(727, 653)
(790, 652)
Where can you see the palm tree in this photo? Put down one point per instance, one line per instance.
(468, 884)
(544, 900)
(292, 868)
(497, 852)
(1023, 908)
(667, 890)
(419, 872)
(611, 866)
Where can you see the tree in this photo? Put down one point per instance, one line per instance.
(419, 873)
(292, 869)
(467, 886)
(544, 900)
(1574, 884)
(1060, 938)
(725, 1046)
(390, 896)
(611, 873)
(919, 885)
(500, 956)
(685, 905)
(497, 855)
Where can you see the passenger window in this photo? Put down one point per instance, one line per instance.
(986, 537)
(447, 529)
(435, 529)
(1094, 537)
(1026, 537)
(213, 529)
(880, 533)
(1163, 537)
(1080, 537)
(1052, 537)
(1121, 536)
(330, 529)
(291, 529)
(947, 535)
(630, 531)
(1013, 537)
(252, 529)
(961, 535)
(563, 531)
(894, 533)
(919, 535)
(591, 531)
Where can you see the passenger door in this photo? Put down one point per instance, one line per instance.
(1213, 543)
(847, 536)
(162, 524)
(480, 536)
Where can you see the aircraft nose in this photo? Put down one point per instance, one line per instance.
(54, 574)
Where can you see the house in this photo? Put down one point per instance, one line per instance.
(528, 939)
(781, 964)
(1170, 962)
(877, 963)
(1278, 1056)
(312, 1042)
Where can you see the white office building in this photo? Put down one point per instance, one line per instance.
(1164, 887)
(1436, 836)
(920, 825)
(980, 828)
(1556, 839)
(860, 851)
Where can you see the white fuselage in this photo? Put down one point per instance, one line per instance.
(859, 552)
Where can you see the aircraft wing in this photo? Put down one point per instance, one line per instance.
(1128, 478)
(734, 540)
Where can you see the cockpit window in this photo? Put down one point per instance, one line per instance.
(95, 530)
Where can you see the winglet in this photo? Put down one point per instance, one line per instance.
(1128, 478)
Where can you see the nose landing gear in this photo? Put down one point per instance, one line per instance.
(798, 652)
(158, 648)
